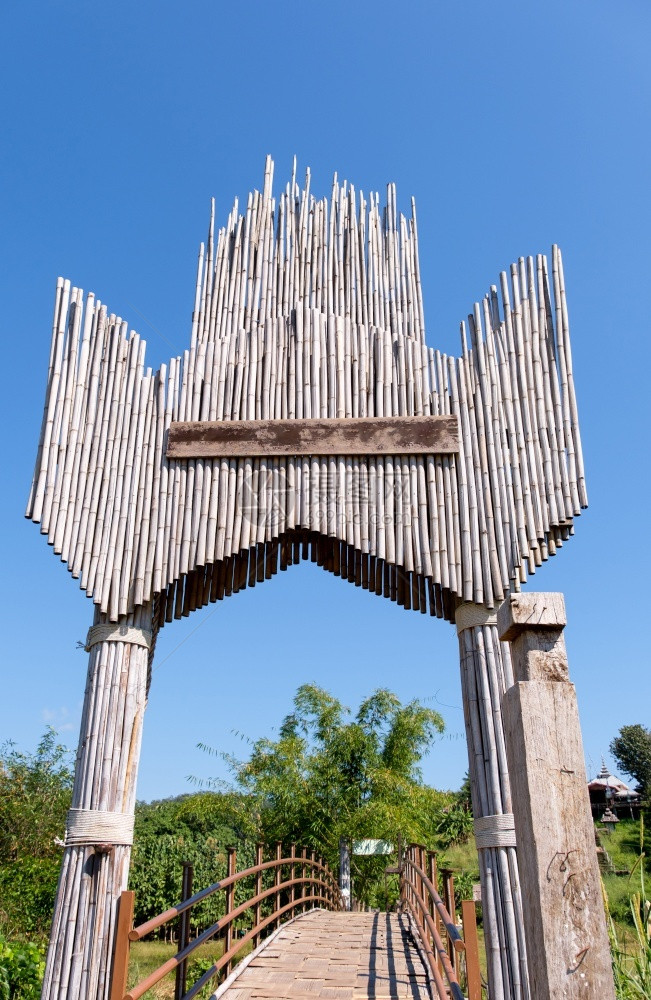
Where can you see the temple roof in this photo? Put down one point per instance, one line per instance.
(607, 780)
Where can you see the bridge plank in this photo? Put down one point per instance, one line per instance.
(346, 436)
(336, 956)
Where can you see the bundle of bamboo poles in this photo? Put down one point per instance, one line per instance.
(486, 673)
(93, 876)
(312, 308)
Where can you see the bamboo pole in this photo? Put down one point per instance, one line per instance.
(94, 874)
(485, 674)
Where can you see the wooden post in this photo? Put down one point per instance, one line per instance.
(432, 871)
(180, 984)
(448, 899)
(121, 957)
(312, 873)
(486, 673)
(278, 878)
(292, 875)
(258, 890)
(421, 855)
(344, 871)
(95, 864)
(230, 906)
(303, 874)
(564, 919)
(473, 973)
(320, 875)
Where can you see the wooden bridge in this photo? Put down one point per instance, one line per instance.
(336, 956)
(313, 947)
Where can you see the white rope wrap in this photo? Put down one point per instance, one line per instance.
(470, 615)
(495, 831)
(98, 826)
(118, 633)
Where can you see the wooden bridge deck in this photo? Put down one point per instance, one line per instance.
(336, 956)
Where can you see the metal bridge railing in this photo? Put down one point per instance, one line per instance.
(446, 949)
(310, 884)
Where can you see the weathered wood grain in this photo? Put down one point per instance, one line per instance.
(564, 921)
(521, 612)
(354, 436)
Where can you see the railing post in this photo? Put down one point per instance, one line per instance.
(184, 931)
(321, 879)
(448, 899)
(121, 956)
(434, 879)
(433, 911)
(278, 878)
(303, 866)
(292, 876)
(403, 883)
(422, 861)
(420, 854)
(431, 874)
(230, 898)
(258, 890)
(312, 870)
(413, 877)
(473, 975)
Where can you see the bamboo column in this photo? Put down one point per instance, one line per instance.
(100, 823)
(486, 673)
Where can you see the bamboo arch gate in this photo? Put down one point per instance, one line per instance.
(307, 419)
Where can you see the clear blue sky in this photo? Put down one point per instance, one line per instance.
(514, 125)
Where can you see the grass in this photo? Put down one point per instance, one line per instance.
(626, 851)
(462, 859)
(631, 954)
(146, 956)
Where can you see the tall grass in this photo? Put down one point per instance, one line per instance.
(631, 954)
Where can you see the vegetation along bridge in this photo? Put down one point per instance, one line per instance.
(309, 418)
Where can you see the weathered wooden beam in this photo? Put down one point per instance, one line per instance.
(564, 922)
(351, 436)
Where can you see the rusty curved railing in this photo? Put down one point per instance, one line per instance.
(314, 885)
(434, 919)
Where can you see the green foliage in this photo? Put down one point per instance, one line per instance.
(623, 847)
(196, 969)
(27, 891)
(631, 748)
(632, 959)
(35, 792)
(462, 859)
(194, 828)
(22, 965)
(454, 825)
(329, 776)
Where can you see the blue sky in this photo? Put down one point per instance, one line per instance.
(514, 126)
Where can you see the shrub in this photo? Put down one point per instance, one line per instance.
(22, 965)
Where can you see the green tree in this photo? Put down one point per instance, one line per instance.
(330, 775)
(631, 748)
(197, 828)
(35, 791)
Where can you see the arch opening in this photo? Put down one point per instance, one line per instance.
(261, 562)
